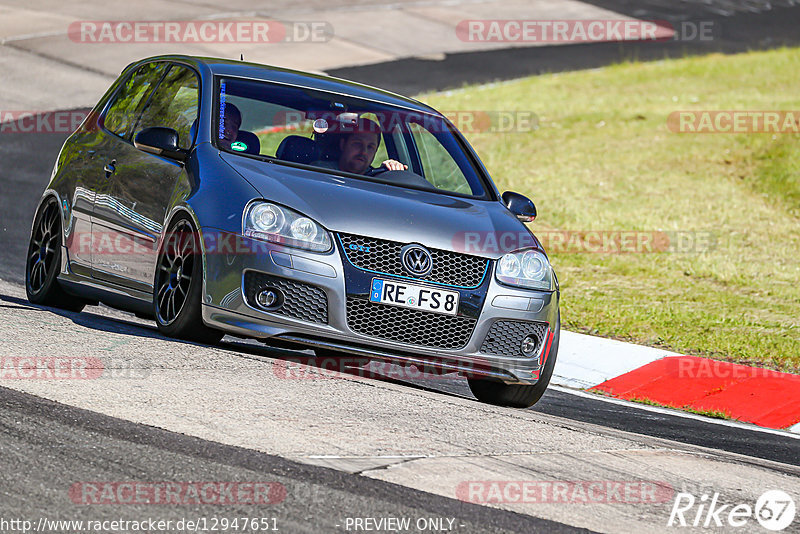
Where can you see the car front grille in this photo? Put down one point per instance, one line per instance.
(405, 325)
(301, 301)
(505, 337)
(383, 257)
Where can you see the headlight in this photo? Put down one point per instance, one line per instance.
(525, 268)
(271, 222)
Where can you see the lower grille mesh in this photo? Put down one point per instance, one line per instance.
(301, 301)
(408, 326)
(505, 337)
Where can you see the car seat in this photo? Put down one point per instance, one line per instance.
(298, 149)
(251, 140)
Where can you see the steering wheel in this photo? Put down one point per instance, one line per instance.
(374, 171)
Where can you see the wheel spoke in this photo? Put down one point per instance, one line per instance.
(161, 291)
(171, 304)
(169, 246)
(32, 273)
(39, 270)
(165, 297)
(188, 246)
(51, 220)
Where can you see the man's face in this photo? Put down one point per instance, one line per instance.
(358, 151)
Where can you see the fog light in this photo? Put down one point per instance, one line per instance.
(269, 298)
(529, 345)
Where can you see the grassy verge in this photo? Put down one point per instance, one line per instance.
(603, 159)
(714, 414)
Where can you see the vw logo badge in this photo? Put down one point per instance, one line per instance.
(416, 260)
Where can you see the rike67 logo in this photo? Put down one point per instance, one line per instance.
(774, 510)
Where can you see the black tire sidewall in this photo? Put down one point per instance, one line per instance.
(519, 395)
(188, 324)
(50, 292)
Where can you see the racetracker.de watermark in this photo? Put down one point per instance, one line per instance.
(697, 368)
(583, 31)
(198, 31)
(349, 366)
(588, 241)
(109, 244)
(177, 493)
(40, 122)
(391, 122)
(564, 492)
(734, 122)
(69, 368)
(50, 368)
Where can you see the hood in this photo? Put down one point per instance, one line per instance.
(350, 205)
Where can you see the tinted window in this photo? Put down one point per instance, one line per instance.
(128, 101)
(174, 104)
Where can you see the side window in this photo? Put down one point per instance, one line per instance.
(128, 101)
(439, 166)
(174, 104)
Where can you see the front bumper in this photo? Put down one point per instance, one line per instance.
(226, 308)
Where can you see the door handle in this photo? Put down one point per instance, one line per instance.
(110, 168)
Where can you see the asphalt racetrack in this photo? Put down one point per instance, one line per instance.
(344, 447)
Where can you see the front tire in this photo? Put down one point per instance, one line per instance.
(518, 395)
(44, 261)
(177, 293)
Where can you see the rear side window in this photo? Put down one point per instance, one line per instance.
(132, 96)
(174, 104)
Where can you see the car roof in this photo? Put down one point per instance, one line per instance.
(268, 73)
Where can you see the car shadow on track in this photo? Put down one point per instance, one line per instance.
(87, 319)
(294, 364)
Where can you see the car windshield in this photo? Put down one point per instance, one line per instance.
(344, 134)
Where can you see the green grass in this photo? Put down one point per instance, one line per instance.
(603, 159)
(716, 414)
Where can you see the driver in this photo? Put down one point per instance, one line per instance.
(357, 150)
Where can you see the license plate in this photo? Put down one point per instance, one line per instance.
(414, 296)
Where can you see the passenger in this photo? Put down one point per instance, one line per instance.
(232, 121)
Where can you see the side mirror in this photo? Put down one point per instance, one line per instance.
(161, 142)
(520, 205)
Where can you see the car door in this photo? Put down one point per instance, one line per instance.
(131, 215)
(89, 150)
(112, 135)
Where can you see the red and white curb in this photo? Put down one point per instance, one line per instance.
(626, 371)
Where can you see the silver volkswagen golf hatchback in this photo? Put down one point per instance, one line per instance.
(222, 197)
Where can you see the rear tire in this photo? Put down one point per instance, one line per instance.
(43, 261)
(518, 395)
(177, 292)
